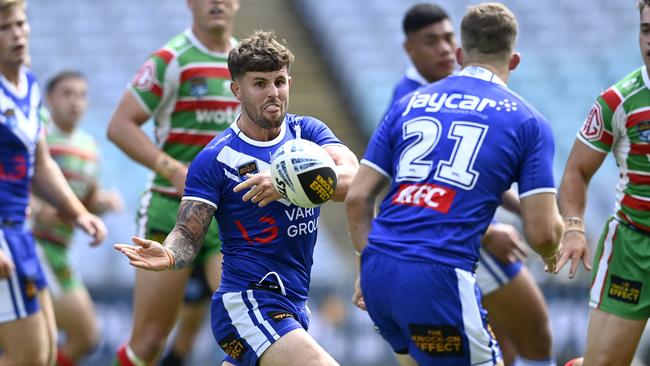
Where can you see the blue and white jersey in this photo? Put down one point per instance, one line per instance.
(20, 126)
(451, 149)
(273, 243)
(409, 82)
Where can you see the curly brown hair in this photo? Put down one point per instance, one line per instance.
(260, 52)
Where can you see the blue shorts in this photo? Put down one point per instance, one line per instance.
(18, 293)
(431, 311)
(247, 323)
(492, 274)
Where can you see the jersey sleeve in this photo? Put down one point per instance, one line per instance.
(536, 169)
(204, 179)
(317, 131)
(597, 130)
(149, 83)
(379, 153)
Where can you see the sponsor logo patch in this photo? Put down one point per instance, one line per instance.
(437, 340)
(145, 77)
(198, 87)
(456, 101)
(624, 290)
(233, 346)
(593, 127)
(431, 196)
(319, 184)
(322, 187)
(279, 315)
(30, 289)
(247, 168)
(643, 128)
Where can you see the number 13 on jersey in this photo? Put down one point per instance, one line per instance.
(458, 170)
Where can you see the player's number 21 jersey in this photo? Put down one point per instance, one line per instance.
(450, 150)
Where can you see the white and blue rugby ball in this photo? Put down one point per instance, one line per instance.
(303, 172)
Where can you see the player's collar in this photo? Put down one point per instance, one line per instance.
(195, 41)
(413, 74)
(52, 128)
(481, 73)
(21, 90)
(646, 77)
(250, 141)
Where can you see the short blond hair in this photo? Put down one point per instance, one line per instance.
(488, 30)
(5, 4)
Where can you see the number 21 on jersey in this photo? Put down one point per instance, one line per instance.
(458, 170)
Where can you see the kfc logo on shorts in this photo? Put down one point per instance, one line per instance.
(145, 77)
(593, 126)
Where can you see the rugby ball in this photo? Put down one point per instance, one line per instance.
(303, 172)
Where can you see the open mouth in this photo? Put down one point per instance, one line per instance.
(272, 108)
(216, 11)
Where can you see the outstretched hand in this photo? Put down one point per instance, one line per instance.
(93, 226)
(147, 254)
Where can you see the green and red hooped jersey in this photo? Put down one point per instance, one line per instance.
(186, 89)
(619, 121)
(78, 157)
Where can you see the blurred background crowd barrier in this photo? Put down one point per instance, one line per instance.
(349, 56)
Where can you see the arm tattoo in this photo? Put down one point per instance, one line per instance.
(186, 238)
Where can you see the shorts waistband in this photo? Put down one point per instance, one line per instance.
(632, 226)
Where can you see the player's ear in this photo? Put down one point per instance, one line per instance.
(460, 56)
(289, 79)
(234, 88)
(515, 59)
(407, 47)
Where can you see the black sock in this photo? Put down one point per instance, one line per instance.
(172, 359)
